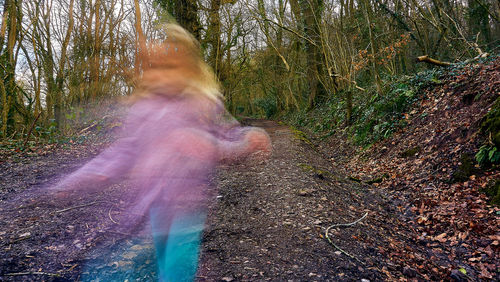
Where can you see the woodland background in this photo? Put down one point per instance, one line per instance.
(274, 58)
(417, 145)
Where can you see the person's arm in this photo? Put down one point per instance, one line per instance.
(236, 142)
(251, 140)
(107, 167)
(101, 171)
(204, 146)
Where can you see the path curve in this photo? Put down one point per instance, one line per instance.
(270, 218)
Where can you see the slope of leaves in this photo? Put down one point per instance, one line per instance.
(437, 182)
(429, 170)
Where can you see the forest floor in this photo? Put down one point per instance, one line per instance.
(429, 172)
(269, 219)
(268, 222)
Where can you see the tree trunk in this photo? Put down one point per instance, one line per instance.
(58, 101)
(140, 39)
(376, 76)
(213, 35)
(479, 22)
(187, 16)
(311, 12)
(95, 68)
(8, 87)
(185, 13)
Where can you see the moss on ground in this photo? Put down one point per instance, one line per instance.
(465, 169)
(300, 135)
(316, 171)
(491, 124)
(493, 191)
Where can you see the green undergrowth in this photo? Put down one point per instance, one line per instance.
(40, 136)
(316, 171)
(377, 115)
(374, 116)
(300, 135)
(489, 152)
(493, 192)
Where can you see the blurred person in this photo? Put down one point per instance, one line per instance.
(174, 135)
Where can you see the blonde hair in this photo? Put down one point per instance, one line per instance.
(175, 67)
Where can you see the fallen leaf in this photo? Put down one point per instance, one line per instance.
(441, 237)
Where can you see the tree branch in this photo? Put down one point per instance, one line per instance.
(429, 60)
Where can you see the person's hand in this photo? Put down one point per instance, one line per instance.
(61, 194)
(258, 142)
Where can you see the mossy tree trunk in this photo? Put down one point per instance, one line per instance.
(185, 13)
(213, 36)
(311, 17)
(8, 88)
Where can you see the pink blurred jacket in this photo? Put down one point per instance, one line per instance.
(169, 147)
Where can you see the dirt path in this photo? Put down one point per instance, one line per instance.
(267, 223)
(270, 220)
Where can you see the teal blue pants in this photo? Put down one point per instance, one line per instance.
(177, 243)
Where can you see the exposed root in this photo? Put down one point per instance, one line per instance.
(344, 225)
(75, 207)
(32, 273)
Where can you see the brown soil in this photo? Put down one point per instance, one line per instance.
(270, 220)
(429, 172)
(267, 223)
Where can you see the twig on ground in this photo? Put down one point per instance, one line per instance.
(344, 225)
(109, 214)
(87, 128)
(71, 267)
(75, 207)
(119, 233)
(20, 239)
(94, 124)
(32, 273)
